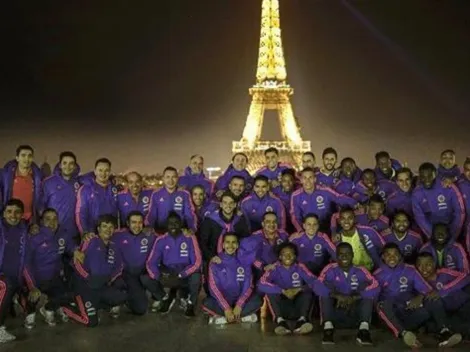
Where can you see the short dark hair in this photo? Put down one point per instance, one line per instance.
(237, 177)
(347, 159)
(467, 161)
(22, 147)
(107, 219)
(346, 210)
(381, 154)
(404, 170)
(48, 210)
(227, 234)
(228, 194)
(174, 215)
(269, 213)
(68, 154)
(307, 169)
(287, 245)
(329, 150)
(201, 187)
(196, 156)
(309, 153)
(448, 151)
(391, 245)
(375, 198)
(242, 154)
(261, 178)
(310, 215)
(425, 255)
(271, 150)
(401, 212)
(103, 161)
(344, 245)
(427, 167)
(170, 168)
(15, 202)
(134, 213)
(288, 172)
(368, 171)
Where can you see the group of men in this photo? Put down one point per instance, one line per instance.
(333, 241)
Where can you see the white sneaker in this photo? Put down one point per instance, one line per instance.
(217, 321)
(64, 317)
(115, 311)
(155, 305)
(5, 336)
(48, 315)
(183, 303)
(30, 321)
(252, 318)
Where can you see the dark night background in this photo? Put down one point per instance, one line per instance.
(147, 83)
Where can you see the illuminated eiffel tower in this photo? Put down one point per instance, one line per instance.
(271, 92)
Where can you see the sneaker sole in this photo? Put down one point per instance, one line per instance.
(281, 331)
(169, 308)
(304, 329)
(362, 343)
(44, 315)
(455, 339)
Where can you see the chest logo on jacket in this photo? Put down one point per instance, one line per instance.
(441, 202)
(407, 250)
(403, 284)
(240, 274)
(145, 200)
(320, 202)
(268, 209)
(184, 249)
(296, 280)
(111, 256)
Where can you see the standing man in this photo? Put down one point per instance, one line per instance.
(448, 169)
(385, 166)
(96, 198)
(133, 198)
(59, 192)
(167, 199)
(194, 176)
(327, 175)
(236, 168)
(22, 180)
(273, 169)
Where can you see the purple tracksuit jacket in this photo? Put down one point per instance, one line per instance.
(383, 188)
(134, 250)
(463, 184)
(317, 250)
(13, 250)
(453, 173)
(126, 203)
(189, 180)
(410, 245)
(453, 256)
(223, 181)
(274, 174)
(396, 165)
(254, 209)
(282, 278)
(450, 285)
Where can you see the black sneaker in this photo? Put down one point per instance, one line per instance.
(167, 304)
(328, 337)
(282, 329)
(303, 327)
(189, 312)
(448, 339)
(363, 337)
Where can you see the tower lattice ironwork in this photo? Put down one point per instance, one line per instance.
(271, 92)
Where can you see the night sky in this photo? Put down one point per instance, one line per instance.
(148, 83)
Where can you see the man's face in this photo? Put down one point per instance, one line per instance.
(261, 187)
(239, 162)
(401, 223)
(375, 210)
(50, 220)
(345, 257)
(466, 170)
(404, 181)
(12, 215)
(440, 234)
(448, 160)
(135, 224)
(230, 244)
(25, 158)
(228, 205)
(391, 257)
(287, 256)
(347, 220)
(134, 183)
(426, 267)
(269, 223)
(198, 195)
(106, 230)
(170, 179)
(384, 164)
(329, 161)
(287, 183)
(67, 166)
(308, 161)
(237, 186)
(348, 168)
(102, 172)
(308, 180)
(368, 179)
(311, 226)
(272, 160)
(174, 226)
(196, 165)
(427, 178)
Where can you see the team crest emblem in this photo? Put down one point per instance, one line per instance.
(382, 194)
(317, 247)
(145, 200)
(403, 280)
(179, 200)
(408, 248)
(114, 190)
(111, 252)
(61, 242)
(144, 242)
(183, 246)
(76, 185)
(88, 304)
(268, 209)
(441, 198)
(240, 271)
(354, 278)
(439, 285)
(279, 241)
(449, 259)
(366, 238)
(295, 276)
(320, 199)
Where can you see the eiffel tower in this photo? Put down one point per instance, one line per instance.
(271, 92)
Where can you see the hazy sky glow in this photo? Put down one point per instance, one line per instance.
(148, 86)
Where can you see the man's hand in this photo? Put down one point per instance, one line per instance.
(218, 194)
(229, 315)
(269, 267)
(88, 236)
(237, 311)
(34, 229)
(342, 301)
(79, 256)
(187, 232)
(216, 260)
(34, 295)
(447, 182)
(415, 303)
(433, 296)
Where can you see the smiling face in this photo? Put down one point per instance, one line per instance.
(198, 196)
(272, 159)
(347, 220)
(391, 257)
(345, 257)
(426, 267)
(404, 181)
(448, 160)
(25, 158)
(135, 224)
(12, 215)
(174, 225)
(102, 173)
(230, 244)
(400, 223)
(311, 225)
(50, 220)
(196, 164)
(287, 256)
(239, 162)
(261, 188)
(269, 223)
(67, 166)
(106, 230)
(170, 179)
(440, 234)
(134, 183)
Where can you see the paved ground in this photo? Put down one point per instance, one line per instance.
(175, 333)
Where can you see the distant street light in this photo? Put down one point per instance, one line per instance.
(211, 170)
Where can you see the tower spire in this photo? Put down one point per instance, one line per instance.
(271, 62)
